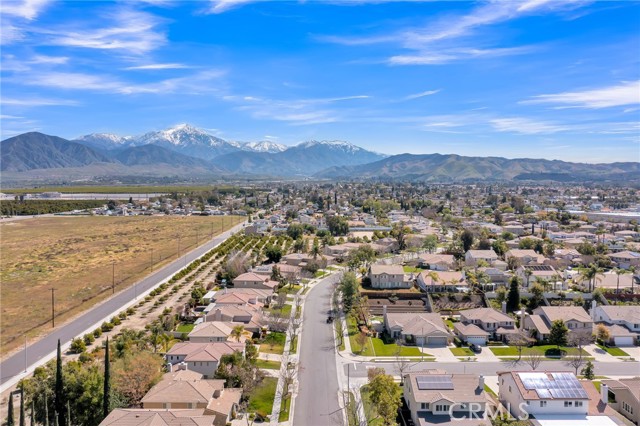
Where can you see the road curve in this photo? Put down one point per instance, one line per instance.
(317, 400)
(13, 368)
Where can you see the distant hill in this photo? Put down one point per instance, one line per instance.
(303, 159)
(149, 155)
(105, 141)
(456, 168)
(36, 150)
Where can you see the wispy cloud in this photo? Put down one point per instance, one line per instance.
(27, 9)
(167, 66)
(38, 102)
(221, 6)
(421, 94)
(626, 93)
(129, 30)
(527, 126)
(444, 56)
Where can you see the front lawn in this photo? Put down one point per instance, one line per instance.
(391, 349)
(462, 351)
(613, 350)
(273, 343)
(366, 349)
(268, 365)
(549, 351)
(185, 328)
(369, 410)
(290, 289)
(261, 399)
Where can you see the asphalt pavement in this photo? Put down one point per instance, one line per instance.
(13, 368)
(317, 400)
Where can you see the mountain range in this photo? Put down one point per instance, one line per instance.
(185, 151)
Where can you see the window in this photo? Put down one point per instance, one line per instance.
(578, 404)
(626, 407)
(442, 407)
(543, 403)
(509, 388)
(424, 405)
(568, 403)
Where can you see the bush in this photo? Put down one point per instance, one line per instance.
(77, 346)
(116, 321)
(106, 326)
(122, 315)
(88, 339)
(131, 311)
(97, 332)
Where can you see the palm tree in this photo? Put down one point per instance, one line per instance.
(590, 274)
(620, 271)
(315, 250)
(527, 273)
(165, 342)
(237, 332)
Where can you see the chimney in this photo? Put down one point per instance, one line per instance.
(593, 309)
(481, 382)
(523, 314)
(504, 307)
(384, 310)
(604, 393)
(182, 366)
(170, 367)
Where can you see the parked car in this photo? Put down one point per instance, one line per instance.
(329, 319)
(475, 348)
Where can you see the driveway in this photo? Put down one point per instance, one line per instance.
(441, 354)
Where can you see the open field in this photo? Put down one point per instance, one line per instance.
(130, 189)
(81, 258)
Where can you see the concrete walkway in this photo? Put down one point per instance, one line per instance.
(600, 355)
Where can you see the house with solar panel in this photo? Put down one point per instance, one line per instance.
(436, 397)
(542, 393)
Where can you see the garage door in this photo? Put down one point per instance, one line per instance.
(623, 341)
(480, 340)
(436, 341)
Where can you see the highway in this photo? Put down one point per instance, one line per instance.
(12, 369)
(317, 400)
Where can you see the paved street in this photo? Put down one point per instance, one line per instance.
(317, 400)
(39, 352)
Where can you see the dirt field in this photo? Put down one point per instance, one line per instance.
(78, 257)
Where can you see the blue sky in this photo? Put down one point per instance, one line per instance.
(534, 78)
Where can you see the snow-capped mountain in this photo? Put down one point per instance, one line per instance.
(263, 146)
(189, 140)
(105, 141)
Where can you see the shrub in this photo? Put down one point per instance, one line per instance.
(97, 332)
(77, 346)
(116, 321)
(88, 339)
(106, 326)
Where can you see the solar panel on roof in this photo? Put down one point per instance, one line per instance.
(434, 382)
(562, 385)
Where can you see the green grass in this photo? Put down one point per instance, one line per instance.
(291, 289)
(268, 365)
(391, 349)
(273, 343)
(488, 390)
(293, 348)
(367, 350)
(298, 312)
(284, 408)
(335, 324)
(369, 409)
(261, 399)
(319, 274)
(613, 350)
(185, 328)
(409, 269)
(286, 309)
(352, 418)
(463, 351)
(597, 384)
(449, 323)
(513, 351)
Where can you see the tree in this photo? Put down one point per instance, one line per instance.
(295, 231)
(399, 232)
(576, 361)
(430, 243)
(106, 393)
(533, 358)
(22, 417)
(349, 290)
(10, 419)
(135, 374)
(513, 297)
(602, 333)
(59, 400)
(273, 253)
(619, 271)
(466, 238)
(520, 341)
(384, 394)
(338, 225)
(237, 332)
(558, 333)
(588, 371)
(361, 340)
(78, 346)
(315, 250)
(402, 364)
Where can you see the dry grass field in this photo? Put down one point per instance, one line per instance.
(77, 257)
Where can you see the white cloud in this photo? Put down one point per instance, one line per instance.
(421, 94)
(449, 55)
(221, 6)
(526, 126)
(626, 93)
(27, 9)
(37, 102)
(167, 66)
(130, 30)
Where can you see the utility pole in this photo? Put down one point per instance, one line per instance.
(25, 353)
(53, 309)
(151, 259)
(113, 277)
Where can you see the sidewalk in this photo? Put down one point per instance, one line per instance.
(600, 355)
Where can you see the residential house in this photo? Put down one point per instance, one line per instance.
(437, 262)
(170, 417)
(181, 393)
(624, 320)
(542, 393)
(202, 358)
(435, 397)
(626, 259)
(497, 324)
(249, 315)
(472, 257)
(260, 295)
(524, 257)
(217, 331)
(418, 328)
(389, 276)
(623, 395)
(253, 280)
(575, 318)
(442, 281)
(470, 333)
(529, 274)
